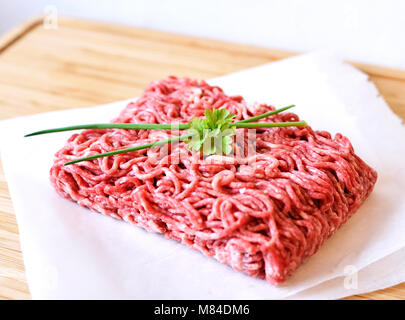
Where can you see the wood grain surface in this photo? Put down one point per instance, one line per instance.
(84, 63)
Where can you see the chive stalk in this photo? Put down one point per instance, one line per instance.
(144, 146)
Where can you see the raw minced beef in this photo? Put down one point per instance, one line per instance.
(263, 214)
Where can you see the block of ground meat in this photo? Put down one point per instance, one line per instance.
(263, 213)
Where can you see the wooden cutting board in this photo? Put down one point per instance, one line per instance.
(83, 63)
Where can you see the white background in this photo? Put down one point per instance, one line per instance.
(370, 31)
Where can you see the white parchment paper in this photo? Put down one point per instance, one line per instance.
(70, 252)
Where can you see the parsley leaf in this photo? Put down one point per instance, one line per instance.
(212, 135)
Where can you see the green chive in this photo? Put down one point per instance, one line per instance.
(144, 146)
(258, 125)
(267, 114)
(146, 126)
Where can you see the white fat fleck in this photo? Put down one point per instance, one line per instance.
(195, 95)
(196, 91)
(242, 190)
(221, 256)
